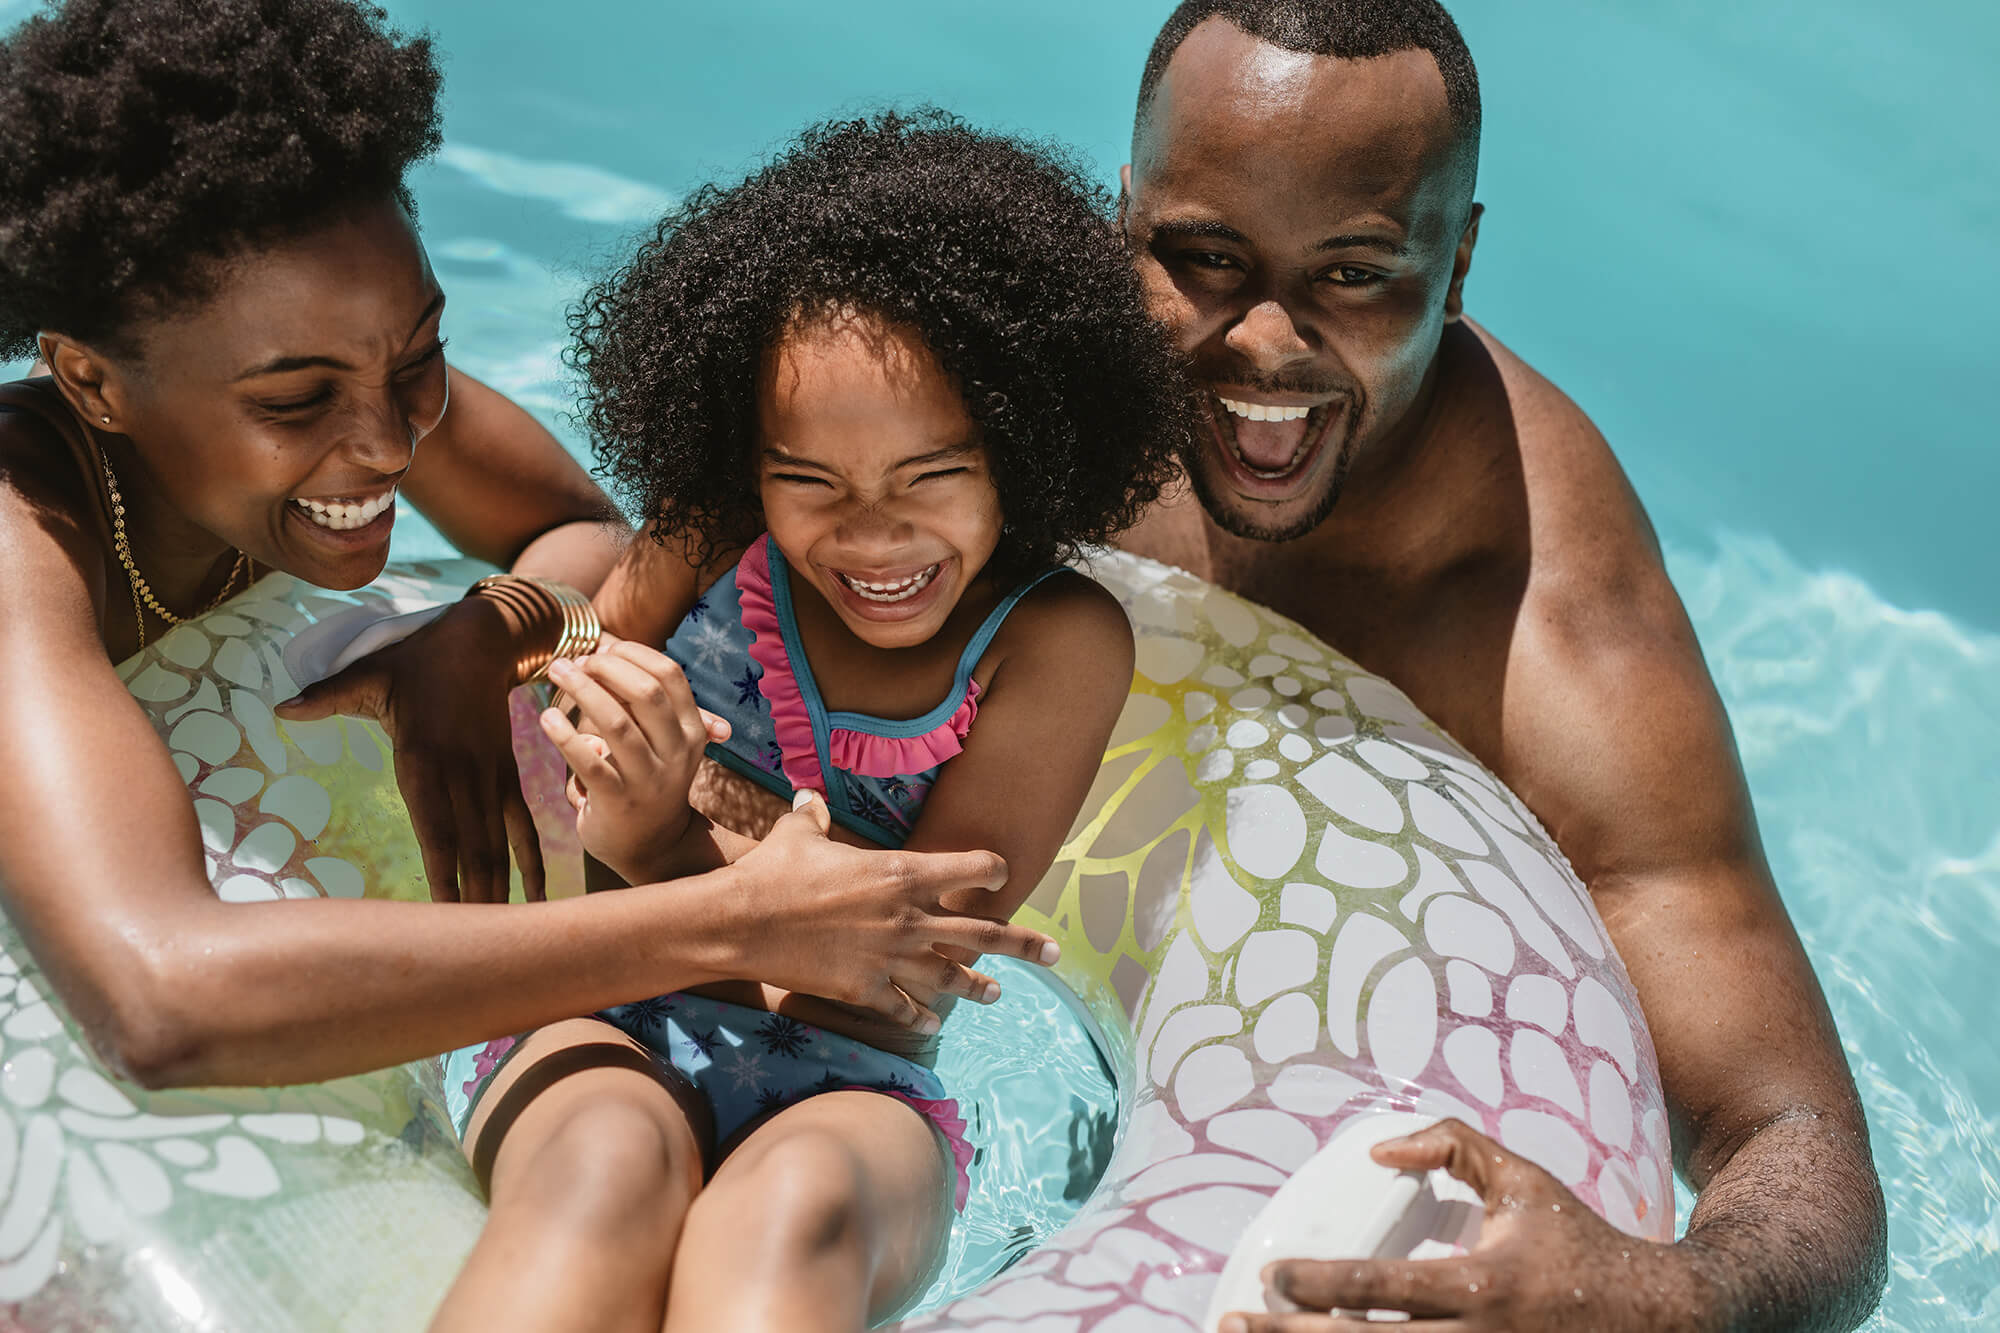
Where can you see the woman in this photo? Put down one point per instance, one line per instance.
(205, 236)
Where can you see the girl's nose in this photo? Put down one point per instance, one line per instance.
(872, 527)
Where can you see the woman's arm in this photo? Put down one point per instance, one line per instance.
(501, 489)
(103, 873)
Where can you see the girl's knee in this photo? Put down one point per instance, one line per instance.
(609, 1162)
(802, 1193)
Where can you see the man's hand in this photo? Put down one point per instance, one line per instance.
(441, 694)
(1543, 1261)
(634, 755)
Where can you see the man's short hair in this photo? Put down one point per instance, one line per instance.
(1347, 29)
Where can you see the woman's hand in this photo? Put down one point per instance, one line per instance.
(441, 694)
(864, 926)
(633, 757)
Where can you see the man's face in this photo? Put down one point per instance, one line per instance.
(1301, 224)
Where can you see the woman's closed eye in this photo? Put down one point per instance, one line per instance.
(801, 479)
(286, 407)
(936, 473)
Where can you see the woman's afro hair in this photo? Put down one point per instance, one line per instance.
(142, 141)
(998, 253)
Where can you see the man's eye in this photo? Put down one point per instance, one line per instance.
(1208, 259)
(1352, 275)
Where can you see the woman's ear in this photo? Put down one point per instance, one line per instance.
(84, 376)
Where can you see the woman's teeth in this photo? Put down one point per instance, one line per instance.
(345, 515)
(1260, 412)
(897, 590)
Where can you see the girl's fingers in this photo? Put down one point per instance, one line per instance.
(604, 713)
(587, 756)
(656, 689)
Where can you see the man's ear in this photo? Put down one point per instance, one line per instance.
(1124, 194)
(1461, 264)
(85, 377)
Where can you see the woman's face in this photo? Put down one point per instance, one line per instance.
(280, 415)
(874, 481)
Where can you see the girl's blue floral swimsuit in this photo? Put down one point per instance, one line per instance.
(740, 649)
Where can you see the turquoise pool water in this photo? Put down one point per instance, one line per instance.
(1755, 242)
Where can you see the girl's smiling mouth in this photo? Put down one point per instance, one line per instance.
(888, 591)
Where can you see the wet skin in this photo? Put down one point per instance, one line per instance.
(1304, 224)
(101, 858)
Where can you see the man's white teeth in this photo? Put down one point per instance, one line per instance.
(345, 515)
(896, 590)
(1260, 412)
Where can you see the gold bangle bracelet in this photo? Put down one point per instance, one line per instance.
(557, 616)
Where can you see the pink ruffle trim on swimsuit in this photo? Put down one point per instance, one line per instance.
(942, 1113)
(800, 757)
(874, 756)
(859, 752)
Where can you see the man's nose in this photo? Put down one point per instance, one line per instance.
(1268, 337)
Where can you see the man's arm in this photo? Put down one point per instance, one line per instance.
(1613, 734)
(1626, 754)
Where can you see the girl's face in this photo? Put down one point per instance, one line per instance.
(280, 415)
(874, 482)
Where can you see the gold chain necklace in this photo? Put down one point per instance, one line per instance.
(142, 592)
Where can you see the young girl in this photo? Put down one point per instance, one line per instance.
(870, 398)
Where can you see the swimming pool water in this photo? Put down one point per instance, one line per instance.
(1755, 242)
(1041, 1110)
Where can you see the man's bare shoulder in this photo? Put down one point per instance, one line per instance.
(1609, 702)
(1589, 535)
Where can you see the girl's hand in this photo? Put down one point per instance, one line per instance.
(441, 694)
(633, 757)
(864, 927)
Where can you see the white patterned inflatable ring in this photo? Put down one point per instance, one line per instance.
(1300, 917)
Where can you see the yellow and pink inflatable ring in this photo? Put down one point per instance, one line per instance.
(1299, 915)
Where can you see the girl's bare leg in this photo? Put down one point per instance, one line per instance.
(594, 1157)
(830, 1214)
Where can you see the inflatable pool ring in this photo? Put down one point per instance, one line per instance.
(1298, 917)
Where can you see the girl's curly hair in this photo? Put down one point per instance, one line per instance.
(997, 252)
(141, 141)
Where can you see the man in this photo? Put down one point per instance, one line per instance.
(1300, 204)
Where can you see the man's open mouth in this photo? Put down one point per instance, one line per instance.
(1271, 442)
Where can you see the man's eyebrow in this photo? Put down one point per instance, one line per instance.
(1360, 242)
(1196, 229)
(279, 365)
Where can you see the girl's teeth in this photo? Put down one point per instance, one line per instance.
(344, 516)
(897, 591)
